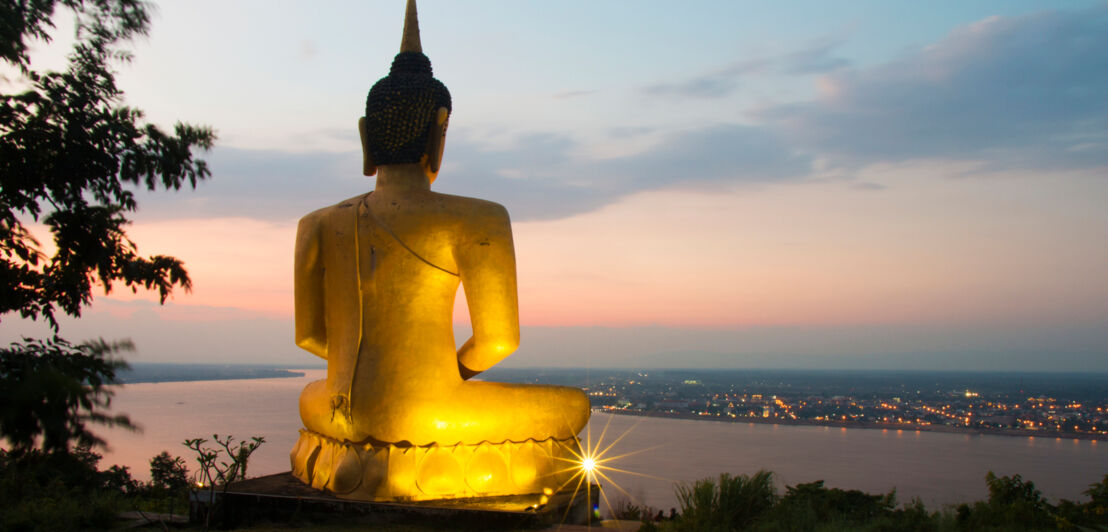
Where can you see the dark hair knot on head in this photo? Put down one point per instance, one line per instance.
(410, 63)
(400, 108)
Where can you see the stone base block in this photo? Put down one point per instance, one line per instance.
(387, 472)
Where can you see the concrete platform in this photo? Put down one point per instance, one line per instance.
(281, 498)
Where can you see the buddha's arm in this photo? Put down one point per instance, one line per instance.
(311, 332)
(487, 265)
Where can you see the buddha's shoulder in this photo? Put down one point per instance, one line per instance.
(344, 207)
(466, 207)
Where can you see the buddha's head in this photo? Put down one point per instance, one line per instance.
(406, 112)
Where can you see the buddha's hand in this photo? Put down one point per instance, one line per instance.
(465, 372)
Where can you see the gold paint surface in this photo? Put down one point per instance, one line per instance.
(375, 286)
(375, 281)
(431, 472)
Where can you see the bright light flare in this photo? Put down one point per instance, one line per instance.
(590, 465)
(587, 464)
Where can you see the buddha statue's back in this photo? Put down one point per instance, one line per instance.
(376, 278)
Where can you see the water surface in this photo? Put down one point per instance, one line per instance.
(939, 468)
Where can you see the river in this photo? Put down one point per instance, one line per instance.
(939, 468)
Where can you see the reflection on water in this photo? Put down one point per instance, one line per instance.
(939, 468)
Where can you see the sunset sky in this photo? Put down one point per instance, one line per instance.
(886, 185)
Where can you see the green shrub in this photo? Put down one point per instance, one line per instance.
(732, 504)
(1013, 504)
(57, 491)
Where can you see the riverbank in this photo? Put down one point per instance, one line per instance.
(1021, 433)
(153, 372)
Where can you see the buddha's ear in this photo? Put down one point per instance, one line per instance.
(369, 167)
(436, 142)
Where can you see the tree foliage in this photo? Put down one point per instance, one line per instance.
(220, 466)
(72, 157)
(168, 472)
(59, 491)
(1013, 504)
(823, 504)
(731, 504)
(53, 389)
(750, 503)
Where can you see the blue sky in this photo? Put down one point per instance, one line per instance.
(804, 184)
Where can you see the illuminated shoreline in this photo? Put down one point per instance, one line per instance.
(1019, 433)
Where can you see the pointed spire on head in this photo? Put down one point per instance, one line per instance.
(410, 41)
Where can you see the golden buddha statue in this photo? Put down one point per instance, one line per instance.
(397, 417)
